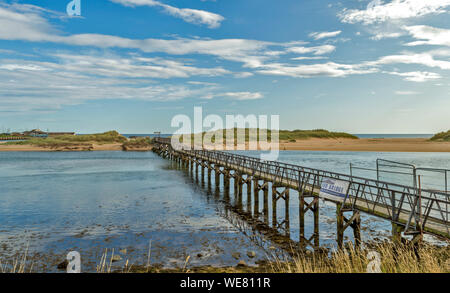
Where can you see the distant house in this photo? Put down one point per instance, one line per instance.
(40, 133)
(35, 133)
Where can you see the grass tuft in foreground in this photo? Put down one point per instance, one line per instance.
(401, 258)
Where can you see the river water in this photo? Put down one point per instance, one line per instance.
(55, 202)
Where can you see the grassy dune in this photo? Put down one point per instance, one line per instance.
(441, 136)
(137, 143)
(284, 135)
(70, 140)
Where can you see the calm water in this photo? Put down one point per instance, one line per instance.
(88, 201)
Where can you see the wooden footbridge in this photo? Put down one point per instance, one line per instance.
(410, 210)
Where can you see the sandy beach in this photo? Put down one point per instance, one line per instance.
(313, 144)
(368, 145)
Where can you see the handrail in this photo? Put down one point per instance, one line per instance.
(395, 198)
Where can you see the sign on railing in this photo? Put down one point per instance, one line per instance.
(333, 189)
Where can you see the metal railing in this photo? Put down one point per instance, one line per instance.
(395, 202)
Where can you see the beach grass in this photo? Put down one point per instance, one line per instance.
(70, 140)
(441, 136)
(137, 143)
(393, 258)
(283, 135)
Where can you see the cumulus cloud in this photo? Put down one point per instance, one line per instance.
(322, 35)
(377, 11)
(242, 96)
(330, 69)
(417, 76)
(195, 16)
(421, 59)
(318, 50)
(134, 67)
(309, 58)
(384, 35)
(37, 86)
(428, 35)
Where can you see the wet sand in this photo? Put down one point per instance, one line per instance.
(313, 144)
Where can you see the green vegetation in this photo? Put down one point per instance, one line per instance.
(441, 136)
(316, 133)
(284, 135)
(137, 143)
(71, 140)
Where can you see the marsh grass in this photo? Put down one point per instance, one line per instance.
(401, 258)
(19, 265)
(394, 258)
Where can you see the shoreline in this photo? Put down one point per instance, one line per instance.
(312, 144)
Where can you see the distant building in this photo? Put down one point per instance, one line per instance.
(40, 133)
(35, 133)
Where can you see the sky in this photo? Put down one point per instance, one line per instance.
(132, 65)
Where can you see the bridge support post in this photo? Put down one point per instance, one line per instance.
(209, 175)
(396, 233)
(217, 176)
(343, 223)
(255, 196)
(265, 189)
(276, 195)
(202, 172)
(226, 181)
(256, 188)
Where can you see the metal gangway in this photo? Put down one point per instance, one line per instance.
(416, 210)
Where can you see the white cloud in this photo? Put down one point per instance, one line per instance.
(377, 11)
(330, 69)
(322, 35)
(429, 35)
(243, 74)
(406, 93)
(384, 35)
(318, 50)
(195, 16)
(134, 67)
(309, 58)
(417, 76)
(241, 96)
(421, 59)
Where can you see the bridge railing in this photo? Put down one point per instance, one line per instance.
(395, 201)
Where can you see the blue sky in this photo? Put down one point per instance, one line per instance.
(131, 65)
